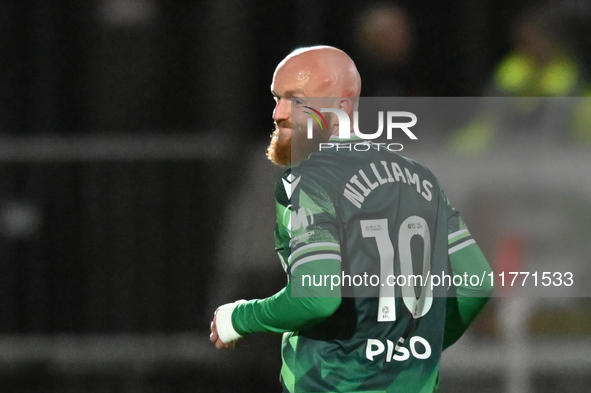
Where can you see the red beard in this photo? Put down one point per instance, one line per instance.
(279, 151)
(285, 150)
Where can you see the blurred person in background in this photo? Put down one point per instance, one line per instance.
(543, 61)
(546, 60)
(385, 39)
(339, 338)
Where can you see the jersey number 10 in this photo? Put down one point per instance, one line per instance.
(413, 225)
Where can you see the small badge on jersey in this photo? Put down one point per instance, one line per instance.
(290, 184)
(387, 307)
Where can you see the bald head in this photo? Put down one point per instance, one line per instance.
(315, 77)
(324, 71)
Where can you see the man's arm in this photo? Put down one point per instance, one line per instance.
(465, 257)
(297, 306)
(469, 300)
(314, 254)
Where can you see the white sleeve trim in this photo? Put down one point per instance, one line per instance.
(313, 258)
(327, 246)
(461, 246)
(456, 233)
(223, 321)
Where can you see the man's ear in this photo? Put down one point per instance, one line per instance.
(333, 124)
(346, 105)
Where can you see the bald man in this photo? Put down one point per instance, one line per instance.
(310, 72)
(349, 222)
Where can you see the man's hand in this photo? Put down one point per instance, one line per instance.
(215, 338)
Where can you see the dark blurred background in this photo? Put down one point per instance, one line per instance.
(132, 141)
(180, 66)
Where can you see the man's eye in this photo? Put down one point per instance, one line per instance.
(296, 101)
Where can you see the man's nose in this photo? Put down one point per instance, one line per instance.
(282, 110)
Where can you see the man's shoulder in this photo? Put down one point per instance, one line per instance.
(283, 186)
(331, 171)
(414, 164)
(296, 178)
(346, 162)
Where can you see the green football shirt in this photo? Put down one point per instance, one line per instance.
(364, 234)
